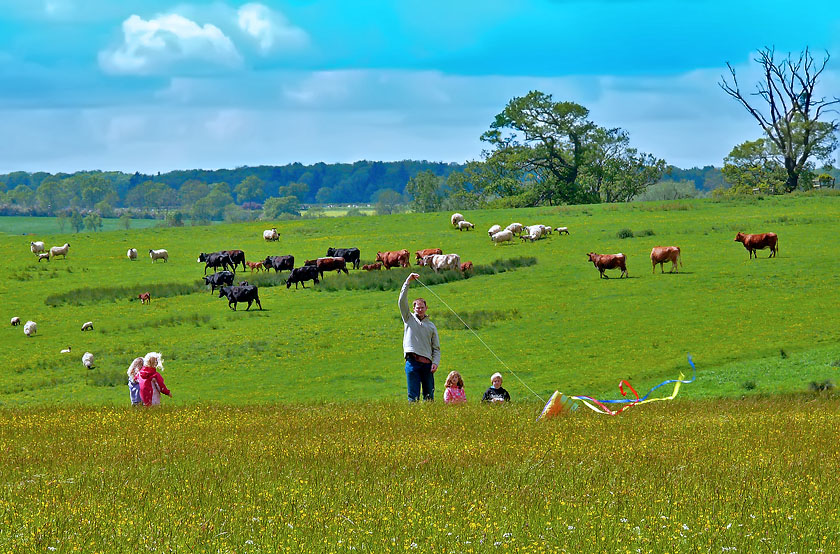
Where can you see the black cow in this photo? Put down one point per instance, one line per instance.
(248, 294)
(301, 274)
(219, 279)
(236, 257)
(279, 263)
(216, 260)
(350, 255)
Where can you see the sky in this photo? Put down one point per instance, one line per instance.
(153, 85)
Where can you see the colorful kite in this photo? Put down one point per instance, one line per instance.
(559, 403)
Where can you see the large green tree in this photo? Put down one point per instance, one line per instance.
(249, 189)
(790, 109)
(754, 164)
(274, 207)
(426, 192)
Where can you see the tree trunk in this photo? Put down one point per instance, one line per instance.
(792, 181)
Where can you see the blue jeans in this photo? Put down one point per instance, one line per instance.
(418, 374)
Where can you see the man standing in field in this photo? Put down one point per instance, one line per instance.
(421, 346)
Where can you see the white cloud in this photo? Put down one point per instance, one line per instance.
(167, 43)
(58, 8)
(270, 29)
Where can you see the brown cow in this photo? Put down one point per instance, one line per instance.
(331, 264)
(609, 261)
(372, 267)
(466, 266)
(145, 297)
(393, 258)
(661, 254)
(759, 242)
(255, 265)
(420, 254)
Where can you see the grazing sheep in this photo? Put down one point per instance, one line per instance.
(546, 230)
(535, 232)
(60, 250)
(132, 254)
(270, 235)
(502, 236)
(66, 350)
(36, 247)
(15, 321)
(44, 256)
(515, 228)
(456, 217)
(87, 360)
(145, 297)
(493, 230)
(464, 224)
(159, 255)
(562, 230)
(87, 326)
(30, 328)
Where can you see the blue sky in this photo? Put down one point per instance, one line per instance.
(154, 86)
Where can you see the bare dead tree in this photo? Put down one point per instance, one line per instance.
(790, 109)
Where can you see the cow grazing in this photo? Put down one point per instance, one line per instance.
(216, 260)
(219, 279)
(145, 297)
(439, 262)
(759, 242)
(350, 255)
(236, 294)
(420, 254)
(466, 266)
(160, 254)
(236, 257)
(302, 274)
(255, 265)
(279, 263)
(393, 258)
(331, 264)
(609, 261)
(270, 235)
(661, 254)
(377, 266)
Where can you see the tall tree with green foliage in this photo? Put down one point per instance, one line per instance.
(249, 189)
(93, 222)
(426, 192)
(77, 221)
(754, 164)
(788, 108)
(388, 201)
(274, 207)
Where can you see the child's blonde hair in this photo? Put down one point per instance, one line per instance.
(454, 379)
(154, 356)
(135, 366)
(497, 374)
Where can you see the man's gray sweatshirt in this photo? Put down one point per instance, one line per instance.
(420, 337)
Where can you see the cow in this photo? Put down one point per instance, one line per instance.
(661, 254)
(350, 255)
(377, 266)
(279, 263)
(236, 257)
(235, 294)
(145, 297)
(219, 279)
(759, 242)
(331, 264)
(255, 265)
(466, 266)
(301, 274)
(609, 261)
(420, 254)
(393, 258)
(216, 260)
(440, 262)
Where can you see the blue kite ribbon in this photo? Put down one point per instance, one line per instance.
(645, 397)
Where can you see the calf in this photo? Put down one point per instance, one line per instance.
(255, 265)
(331, 264)
(145, 297)
(609, 261)
(301, 274)
(279, 263)
(466, 266)
(219, 279)
(235, 294)
(661, 254)
(372, 267)
(759, 242)
(350, 255)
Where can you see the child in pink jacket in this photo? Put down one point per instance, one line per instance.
(151, 381)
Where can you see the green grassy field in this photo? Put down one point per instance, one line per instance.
(760, 326)
(49, 225)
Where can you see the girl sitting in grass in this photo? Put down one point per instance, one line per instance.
(454, 393)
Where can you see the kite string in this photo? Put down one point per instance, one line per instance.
(482, 342)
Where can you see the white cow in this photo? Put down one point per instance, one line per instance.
(456, 217)
(270, 235)
(60, 250)
(159, 255)
(503, 236)
(36, 247)
(440, 262)
(132, 254)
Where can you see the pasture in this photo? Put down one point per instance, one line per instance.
(761, 326)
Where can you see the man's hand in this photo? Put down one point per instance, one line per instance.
(413, 277)
(434, 368)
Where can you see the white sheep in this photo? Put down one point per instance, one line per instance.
(547, 230)
(464, 224)
(66, 350)
(36, 247)
(44, 256)
(493, 230)
(131, 254)
(87, 360)
(30, 328)
(60, 250)
(515, 228)
(562, 230)
(159, 255)
(270, 235)
(87, 326)
(15, 321)
(503, 236)
(456, 217)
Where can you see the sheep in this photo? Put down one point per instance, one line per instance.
(36, 247)
(66, 350)
(562, 230)
(15, 321)
(270, 235)
(493, 230)
(87, 360)
(159, 255)
(30, 328)
(131, 254)
(44, 256)
(503, 236)
(456, 217)
(60, 250)
(87, 326)
(546, 230)
(464, 224)
(535, 232)
(515, 228)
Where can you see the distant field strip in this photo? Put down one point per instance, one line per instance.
(92, 295)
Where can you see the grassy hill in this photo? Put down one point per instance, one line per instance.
(762, 326)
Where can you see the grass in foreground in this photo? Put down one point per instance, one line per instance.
(703, 476)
